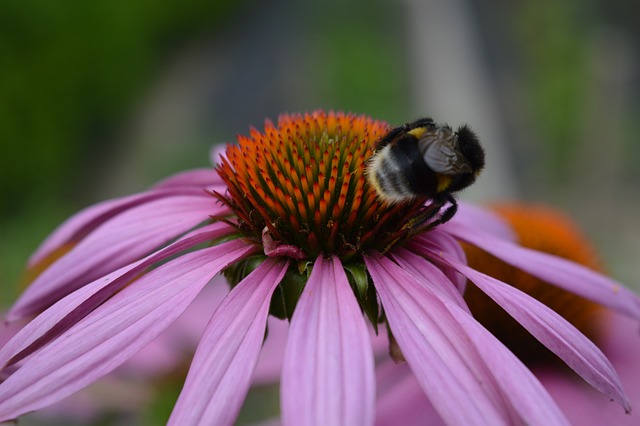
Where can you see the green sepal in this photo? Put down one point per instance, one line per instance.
(286, 296)
(364, 291)
(238, 271)
(371, 307)
(358, 279)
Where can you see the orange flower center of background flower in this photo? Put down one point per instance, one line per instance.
(548, 231)
(303, 183)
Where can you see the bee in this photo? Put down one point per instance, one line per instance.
(423, 159)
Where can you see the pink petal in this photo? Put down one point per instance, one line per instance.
(168, 352)
(448, 370)
(494, 364)
(42, 329)
(7, 332)
(199, 178)
(471, 216)
(69, 310)
(551, 329)
(525, 393)
(450, 245)
(113, 332)
(557, 271)
(82, 223)
(220, 374)
(583, 405)
(427, 271)
(122, 240)
(328, 374)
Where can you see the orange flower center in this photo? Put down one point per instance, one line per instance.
(298, 187)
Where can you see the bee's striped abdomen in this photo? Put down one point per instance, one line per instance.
(399, 173)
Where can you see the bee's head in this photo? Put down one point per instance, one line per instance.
(469, 146)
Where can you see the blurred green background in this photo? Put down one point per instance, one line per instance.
(100, 99)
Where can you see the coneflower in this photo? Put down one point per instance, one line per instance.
(291, 220)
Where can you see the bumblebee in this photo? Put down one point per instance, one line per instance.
(424, 159)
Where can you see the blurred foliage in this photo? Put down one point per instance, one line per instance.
(579, 88)
(70, 71)
(553, 42)
(360, 60)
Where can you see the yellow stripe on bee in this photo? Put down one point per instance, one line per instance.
(386, 195)
(370, 172)
(443, 182)
(373, 181)
(418, 132)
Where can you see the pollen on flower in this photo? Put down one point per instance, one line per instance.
(303, 180)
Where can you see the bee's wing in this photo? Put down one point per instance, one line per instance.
(442, 156)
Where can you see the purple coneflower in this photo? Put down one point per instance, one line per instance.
(292, 222)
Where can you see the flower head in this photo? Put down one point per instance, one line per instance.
(300, 234)
(302, 184)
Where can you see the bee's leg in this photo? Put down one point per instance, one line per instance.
(421, 122)
(421, 222)
(397, 131)
(424, 218)
(450, 211)
(427, 219)
(389, 137)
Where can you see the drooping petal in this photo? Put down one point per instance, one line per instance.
(7, 332)
(113, 332)
(551, 329)
(425, 270)
(583, 405)
(168, 352)
(42, 329)
(495, 364)
(470, 216)
(118, 242)
(82, 223)
(555, 270)
(448, 370)
(328, 376)
(525, 393)
(449, 245)
(69, 310)
(220, 374)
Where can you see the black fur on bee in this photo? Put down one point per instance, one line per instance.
(423, 159)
